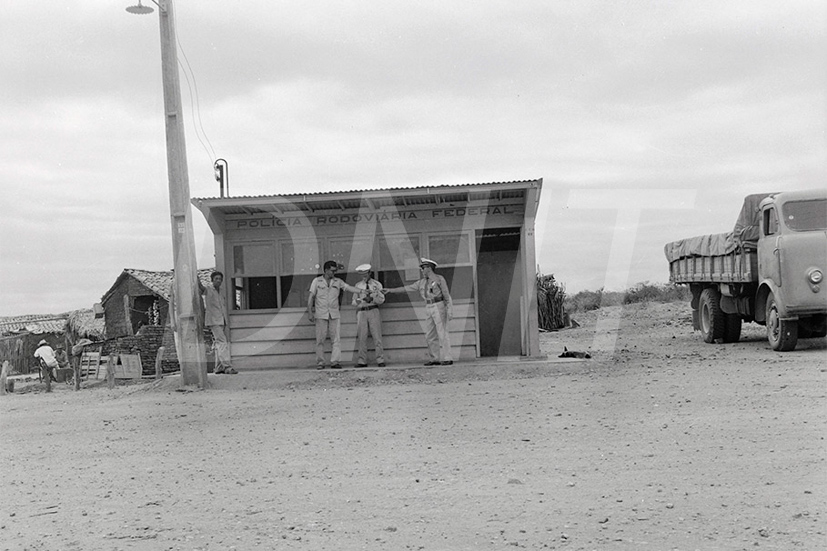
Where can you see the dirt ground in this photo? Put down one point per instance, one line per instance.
(658, 442)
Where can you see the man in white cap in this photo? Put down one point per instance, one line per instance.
(438, 311)
(368, 319)
(48, 361)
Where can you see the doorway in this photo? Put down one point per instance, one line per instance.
(499, 291)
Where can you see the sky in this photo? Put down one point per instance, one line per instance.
(648, 121)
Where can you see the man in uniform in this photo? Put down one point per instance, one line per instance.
(323, 309)
(433, 289)
(368, 319)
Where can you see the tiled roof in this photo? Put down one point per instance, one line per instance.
(157, 282)
(37, 324)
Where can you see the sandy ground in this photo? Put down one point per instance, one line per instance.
(658, 442)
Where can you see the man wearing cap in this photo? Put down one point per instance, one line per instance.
(438, 311)
(368, 319)
(323, 309)
(48, 361)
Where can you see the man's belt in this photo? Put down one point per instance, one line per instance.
(434, 300)
(371, 307)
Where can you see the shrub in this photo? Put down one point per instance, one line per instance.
(585, 301)
(550, 297)
(650, 292)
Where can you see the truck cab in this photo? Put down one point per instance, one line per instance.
(792, 259)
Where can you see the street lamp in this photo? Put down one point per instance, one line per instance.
(187, 306)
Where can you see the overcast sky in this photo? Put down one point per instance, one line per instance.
(699, 102)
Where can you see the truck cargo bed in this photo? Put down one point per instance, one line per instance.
(736, 267)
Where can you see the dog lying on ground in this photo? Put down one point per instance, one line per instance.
(573, 354)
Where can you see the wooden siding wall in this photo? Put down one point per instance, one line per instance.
(288, 339)
(19, 350)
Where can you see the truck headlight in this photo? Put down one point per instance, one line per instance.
(815, 276)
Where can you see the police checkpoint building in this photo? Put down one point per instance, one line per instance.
(482, 236)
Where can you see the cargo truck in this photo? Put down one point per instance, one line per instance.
(768, 270)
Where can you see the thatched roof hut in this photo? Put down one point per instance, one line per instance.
(83, 324)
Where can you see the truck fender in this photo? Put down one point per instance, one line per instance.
(766, 288)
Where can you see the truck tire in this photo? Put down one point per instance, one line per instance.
(712, 319)
(782, 334)
(732, 328)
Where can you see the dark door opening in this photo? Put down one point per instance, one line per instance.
(499, 291)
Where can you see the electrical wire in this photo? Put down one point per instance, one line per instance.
(195, 105)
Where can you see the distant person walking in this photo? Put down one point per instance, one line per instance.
(48, 361)
(433, 289)
(368, 318)
(323, 310)
(218, 321)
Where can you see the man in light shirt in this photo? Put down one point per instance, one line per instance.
(323, 310)
(48, 360)
(439, 310)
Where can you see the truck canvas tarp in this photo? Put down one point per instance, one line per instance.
(743, 235)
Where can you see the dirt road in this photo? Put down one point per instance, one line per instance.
(658, 442)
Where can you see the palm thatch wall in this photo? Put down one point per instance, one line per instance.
(550, 296)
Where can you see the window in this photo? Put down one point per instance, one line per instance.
(254, 276)
(300, 263)
(350, 253)
(770, 222)
(398, 264)
(449, 250)
(453, 254)
(806, 215)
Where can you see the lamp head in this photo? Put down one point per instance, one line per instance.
(139, 9)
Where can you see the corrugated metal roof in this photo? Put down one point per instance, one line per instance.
(418, 189)
(375, 199)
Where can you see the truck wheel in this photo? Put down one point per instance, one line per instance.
(732, 328)
(782, 334)
(711, 317)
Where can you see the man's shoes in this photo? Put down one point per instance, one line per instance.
(381, 364)
(431, 363)
(219, 371)
(361, 365)
(230, 371)
(336, 366)
(449, 362)
(320, 366)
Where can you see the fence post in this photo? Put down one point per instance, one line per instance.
(110, 370)
(159, 358)
(4, 377)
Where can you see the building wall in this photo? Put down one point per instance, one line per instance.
(258, 246)
(123, 317)
(19, 350)
(146, 343)
(287, 340)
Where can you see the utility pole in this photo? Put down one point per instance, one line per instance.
(188, 309)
